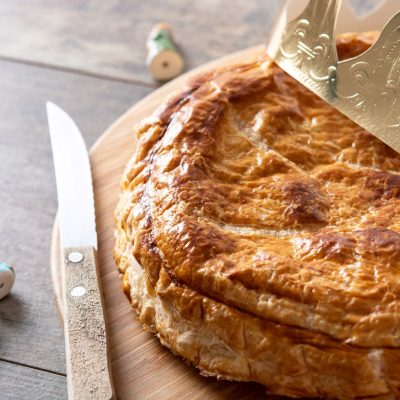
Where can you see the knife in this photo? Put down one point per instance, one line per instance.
(88, 368)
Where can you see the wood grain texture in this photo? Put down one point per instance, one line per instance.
(30, 332)
(22, 383)
(109, 36)
(141, 367)
(88, 369)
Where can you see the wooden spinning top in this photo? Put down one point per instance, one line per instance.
(7, 278)
(163, 59)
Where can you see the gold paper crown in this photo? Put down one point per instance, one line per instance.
(365, 88)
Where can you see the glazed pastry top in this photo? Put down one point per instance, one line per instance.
(254, 192)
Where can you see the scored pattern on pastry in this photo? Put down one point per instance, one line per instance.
(251, 196)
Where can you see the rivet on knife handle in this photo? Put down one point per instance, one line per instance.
(88, 371)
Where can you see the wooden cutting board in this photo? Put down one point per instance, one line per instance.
(141, 367)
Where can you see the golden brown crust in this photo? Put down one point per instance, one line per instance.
(249, 193)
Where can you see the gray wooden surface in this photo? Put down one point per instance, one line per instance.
(109, 37)
(88, 57)
(28, 383)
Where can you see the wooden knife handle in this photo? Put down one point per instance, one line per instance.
(88, 369)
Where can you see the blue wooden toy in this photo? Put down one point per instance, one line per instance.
(7, 278)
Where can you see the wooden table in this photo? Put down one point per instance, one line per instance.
(88, 57)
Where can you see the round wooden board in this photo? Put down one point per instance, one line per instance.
(141, 367)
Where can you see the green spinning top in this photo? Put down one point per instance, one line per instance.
(163, 59)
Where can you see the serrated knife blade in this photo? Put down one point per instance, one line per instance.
(74, 180)
(88, 366)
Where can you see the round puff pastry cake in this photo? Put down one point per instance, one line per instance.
(258, 234)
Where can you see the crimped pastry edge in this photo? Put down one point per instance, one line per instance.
(206, 344)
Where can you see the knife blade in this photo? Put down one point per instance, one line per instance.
(88, 369)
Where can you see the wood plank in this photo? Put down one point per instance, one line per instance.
(30, 332)
(17, 382)
(109, 37)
